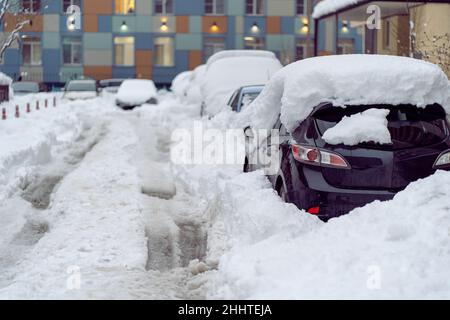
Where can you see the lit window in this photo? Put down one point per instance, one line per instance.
(301, 7)
(254, 7)
(72, 50)
(31, 51)
(214, 6)
(124, 50)
(68, 3)
(125, 6)
(31, 6)
(254, 43)
(164, 53)
(212, 46)
(163, 7)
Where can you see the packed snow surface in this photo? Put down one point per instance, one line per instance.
(326, 7)
(228, 71)
(193, 90)
(347, 80)
(368, 126)
(136, 92)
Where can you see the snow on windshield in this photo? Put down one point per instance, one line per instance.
(368, 126)
(347, 80)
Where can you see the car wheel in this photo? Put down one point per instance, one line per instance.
(282, 193)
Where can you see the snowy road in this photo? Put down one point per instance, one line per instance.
(93, 208)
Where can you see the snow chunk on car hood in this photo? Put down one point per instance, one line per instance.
(343, 80)
(368, 126)
(136, 92)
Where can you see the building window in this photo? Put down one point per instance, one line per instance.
(31, 51)
(31, 6)
(254, 43)
(164, 53)
(68, 3)
(345, 46)
(212, 46)
(164, 7)
(254, 7)
(72, 50)
(124, 50)
(301, 7)
(214, 7)
(125, 6)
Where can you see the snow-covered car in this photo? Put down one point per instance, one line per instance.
(180, 84)
(136, 92)
(243, 97)
(193, 90)
(80, 90)
(25, 87)
(111, 85)
(230, 69)
(352, 129)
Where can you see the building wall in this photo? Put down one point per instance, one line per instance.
(281, 29)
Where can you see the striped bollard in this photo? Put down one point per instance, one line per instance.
(54, 101)
(3, 114)
(28, 108)
(46, 103)
(17, 112)
(37, 105)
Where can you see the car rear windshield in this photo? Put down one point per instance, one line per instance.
(408, 125)
(81, 86)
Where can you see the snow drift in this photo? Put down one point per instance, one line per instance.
(347, 80)
(136, 92)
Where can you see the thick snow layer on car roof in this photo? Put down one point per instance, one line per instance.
(329, 6)
(347, 80)
(226, 75)
(136, 91)
(5, 80)
(180, 83)
(240, 53)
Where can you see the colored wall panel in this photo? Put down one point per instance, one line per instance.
(90, 23)
(98, 72)
(51, 40)
(98, 58)
(51, 61)
(189, 7)
(273, 25)
(51, 23)
(235, 8)
(98, 7)
(188, 41)
(281, 7)
(144, 7)
(182, 24)
(195, 59)
(98, 41)
(104, 23)
(143, 41)
(10, 21)
(195, 24)
(144, 24)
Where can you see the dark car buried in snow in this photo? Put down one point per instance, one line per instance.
(329, 180)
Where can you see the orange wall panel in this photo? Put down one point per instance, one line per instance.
(144, 72)
(182, 24)
(98, 72)
(195, 59)
(208, 21)
(273, 25)
(144, 58)
(11, 20)
(98, 7)
(90, 23)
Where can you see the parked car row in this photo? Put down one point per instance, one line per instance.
(349, 129)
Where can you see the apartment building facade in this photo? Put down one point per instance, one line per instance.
(154, 39)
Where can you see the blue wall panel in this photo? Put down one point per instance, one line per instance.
(191, 7)
(143, 41)
(104, 23)
(51, 63)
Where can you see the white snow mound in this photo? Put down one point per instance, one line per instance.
(136, 91)
(368, 126)
(343, 80)
(330, 6)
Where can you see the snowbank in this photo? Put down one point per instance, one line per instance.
(368, 126)
(326, 7)
(227, 71)
(193, 91)
(180, 83)
(386, 250)
(136, 92)
(347, 80)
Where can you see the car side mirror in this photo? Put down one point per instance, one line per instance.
(249, 132)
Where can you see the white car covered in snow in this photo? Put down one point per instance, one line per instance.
(80, 90)
(136, 92)
(228, 70)
(180, 84)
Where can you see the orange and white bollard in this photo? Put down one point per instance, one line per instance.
(17, 112)
(37, 105)
(3, 114)
(28, 108)
(54, 101)
(46, 103)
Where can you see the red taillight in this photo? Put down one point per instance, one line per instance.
(314, 210)
(319, 157)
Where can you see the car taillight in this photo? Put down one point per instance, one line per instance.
(318, 157)
(443, 160)
(314, 210)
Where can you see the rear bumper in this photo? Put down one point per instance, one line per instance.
(313, 191)
(335, 204)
